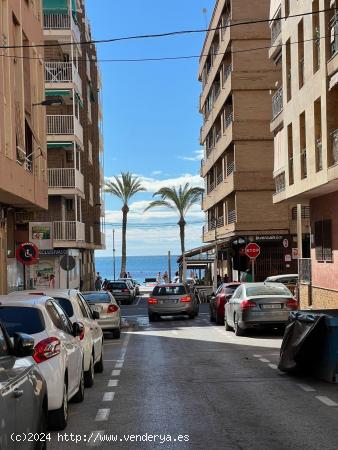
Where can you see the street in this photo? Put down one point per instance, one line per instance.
(196, 386)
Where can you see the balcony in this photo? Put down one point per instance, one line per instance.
(230, 168)
(65, 182)
(228, 119)
(334, 148)
(60, 73)
(280, 184)
(232, 216)
(226, 73)
(303, 164)
(59, 25)
(276, 29)
(277, 103)
(319, 155)
(64, 125)
(68, 231)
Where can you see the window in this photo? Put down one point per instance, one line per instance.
(66, 323)
(3, 344)
(288, 70)
(98, 297)
(65, 305)
(323, 240)
(303, 157)
(301, 68)
(318, 135)
(22, 319)
(54, 315)
(169, 290)
(290, 154)
(82, 307)
(267, 290)
(315, 36)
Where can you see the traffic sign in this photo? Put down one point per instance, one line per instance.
(27, 253)
(67, 263)
(252, 250)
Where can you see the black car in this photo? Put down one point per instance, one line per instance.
(121, 291)
(23, 393)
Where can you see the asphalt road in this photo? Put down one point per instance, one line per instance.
(188, 384)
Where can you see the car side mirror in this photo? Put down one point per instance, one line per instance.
(96, 315)
(23, 345)
(78, 328)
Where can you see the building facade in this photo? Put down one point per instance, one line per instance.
(306, 143)
(23, 155)
(74, 219)
(237, 79)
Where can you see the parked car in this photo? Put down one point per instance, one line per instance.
(258, 304)
(57, 350)
(136, 285)
(121, 291)
(172, 299)
(290, 281)
(219, 299)
(91, 339)
(23, 391)
(106, 306)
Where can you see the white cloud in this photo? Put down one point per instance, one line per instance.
(197, 156)
(156, 172)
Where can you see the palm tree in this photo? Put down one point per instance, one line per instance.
(181, 200)
(124, 187)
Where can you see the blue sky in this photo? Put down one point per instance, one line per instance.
(151, 118)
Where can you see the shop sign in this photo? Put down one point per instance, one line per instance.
(54, 252)
(272, 237)
(41, 234)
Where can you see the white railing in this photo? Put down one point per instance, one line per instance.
(65, 178)
(68, 231)
(277, 103)
(64, 124)
(103, 239)
(25, 161)
(62, 72)
(61, 22)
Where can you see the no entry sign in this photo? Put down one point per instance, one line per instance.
(252, 250)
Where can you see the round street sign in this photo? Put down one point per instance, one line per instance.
(67, 266)
(252, 250)
(27, 253)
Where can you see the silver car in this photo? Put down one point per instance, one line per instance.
(109, 311)
(258, 304)
(172, 300)
(121, 291)
(23, 393)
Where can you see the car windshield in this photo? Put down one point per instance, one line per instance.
(230, 289)
(18, 319)
(117, 286)
(169, 290)
(66, 305)
(267, 290)
(98, 297)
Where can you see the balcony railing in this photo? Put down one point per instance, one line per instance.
(66, 178)
(232, 216)
(68, 231)
(230, 168)
(62, 72)
(301, 72)
(276, 29)
(61, 22)
(23, 160)
(219, 179)
(303, 163)
(334, 34)
(64, 124)
(211, 186)
(224, 23)
(304, 270)
(319, 155)
(220, 222)
(228, 120)
(334, 147)
(227, 72)
(291, 171)
(280, 183)
(277, 103)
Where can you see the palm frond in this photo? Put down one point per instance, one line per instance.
(157, 203)
(124, 186)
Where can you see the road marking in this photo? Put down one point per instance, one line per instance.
(306, 387)
(94, 438)
(264, 360)
(273, 366)
(326, 400)
(102, 414)
(116, 373)
(119, 365)
(108, 396)
(113, 383)
(174, 332)
(257, 356)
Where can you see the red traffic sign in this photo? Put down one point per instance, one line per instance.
(252, 250)
(27, 253)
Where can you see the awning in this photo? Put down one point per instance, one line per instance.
(55, 7)
(275, 6)
(57, 92)
(60, 144)
(79, 99)
(279, 153)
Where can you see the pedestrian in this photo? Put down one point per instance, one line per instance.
(98, 282)
(226, 278)
(158, 278)
(129, 275)
(165, 277)
(104, 284)
(52, 281)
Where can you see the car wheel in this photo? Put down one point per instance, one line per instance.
(89, 375)
(116, 333)
(238, 330)
(99, 365)
(57, 420)
(227, 326)
(79, 396)
(152, 317)
(219, 320)
(42, 427)
(212, 317)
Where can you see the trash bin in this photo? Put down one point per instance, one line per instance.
(310, 344)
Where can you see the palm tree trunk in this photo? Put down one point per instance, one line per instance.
(181, 224)
(125, 211)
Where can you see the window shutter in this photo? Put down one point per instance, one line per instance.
(327, 240)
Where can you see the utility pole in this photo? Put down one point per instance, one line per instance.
(114, 250)
(169, 266)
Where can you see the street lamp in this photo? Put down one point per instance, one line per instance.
(50, 102)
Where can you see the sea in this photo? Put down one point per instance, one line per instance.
(140, 267)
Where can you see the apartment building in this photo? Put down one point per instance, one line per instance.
(74, 220)
(23, 156)
(305, 123)
(237, 80)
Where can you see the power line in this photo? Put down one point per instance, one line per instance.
(167, 34)
(151, 225)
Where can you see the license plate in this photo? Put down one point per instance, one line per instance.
(96, 308)
(272, 306)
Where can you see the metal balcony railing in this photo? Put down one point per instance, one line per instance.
(276, 29)
(62, 72)
(280, 184)
(68, 231)
(228, 120)
(220, 222)
(304, 270)
(23, 160)
(319, 155)
(232, 216)
(303, 163)
(226, 72)
(61, 22)
(334, 147)
(230, 168)
(65, 178)
(334, 34)
(277, 103)
(60, 124)
(211, 186)
(219, 179)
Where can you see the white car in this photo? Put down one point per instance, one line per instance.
(75, 306)
(105, 304)
(58, 351)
